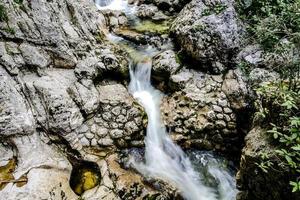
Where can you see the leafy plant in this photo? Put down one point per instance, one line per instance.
(275, 24)
(278, 107)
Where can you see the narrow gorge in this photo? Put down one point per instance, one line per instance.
(148, 100)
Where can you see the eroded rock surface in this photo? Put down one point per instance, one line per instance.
(209, 32)
(202, 114)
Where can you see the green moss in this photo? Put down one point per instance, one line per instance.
(3, 14)
(18, 1)
(10, 30)
(245, 68)
(216, 9)
(199, 28)
(148, 26)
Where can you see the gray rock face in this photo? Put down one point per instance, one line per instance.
(54, 108)
(146, 11)
(45, 169)
(165, 64)
(209, 32)
(150, 11)
(115, 19)
(260, 75)
(53, 58)
(236, 90)
(85, 96)
(118, 121)
(15, 113)
(62, 27)
(200, 111)
(251, 55)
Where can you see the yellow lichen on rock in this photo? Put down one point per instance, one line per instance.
(88, 180)
(6, 171)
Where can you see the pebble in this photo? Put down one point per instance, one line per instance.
(105, 142)
(217, 108)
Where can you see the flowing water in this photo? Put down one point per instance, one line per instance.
(163, 158)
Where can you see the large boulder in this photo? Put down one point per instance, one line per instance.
(165, 64)
(210, 32)
(252, 181)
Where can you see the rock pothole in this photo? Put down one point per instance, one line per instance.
(85, 176)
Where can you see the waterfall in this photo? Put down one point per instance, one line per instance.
(163, 158)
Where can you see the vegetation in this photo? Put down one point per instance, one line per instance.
(275, 24)
(216, 9)
(278, 107)
(18, 1)
(3, 14)
(148, 26)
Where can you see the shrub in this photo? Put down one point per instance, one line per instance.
(278, 108)
(275, 24)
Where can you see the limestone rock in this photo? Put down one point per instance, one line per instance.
(15, 114)
(252, 182)
(236, 90)
(210, 32)
(62, 114)
(46, 170)
(197, 110)
(260, 75)
(85, 96)
(164, 65)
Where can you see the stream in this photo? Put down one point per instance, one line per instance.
(197, 175)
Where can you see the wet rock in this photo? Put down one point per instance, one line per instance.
(132, 35)
(130, 185)
(210, 32)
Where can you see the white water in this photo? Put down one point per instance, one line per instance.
(163, 158)
(120, 5)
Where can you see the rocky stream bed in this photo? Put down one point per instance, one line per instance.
(69, 125)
